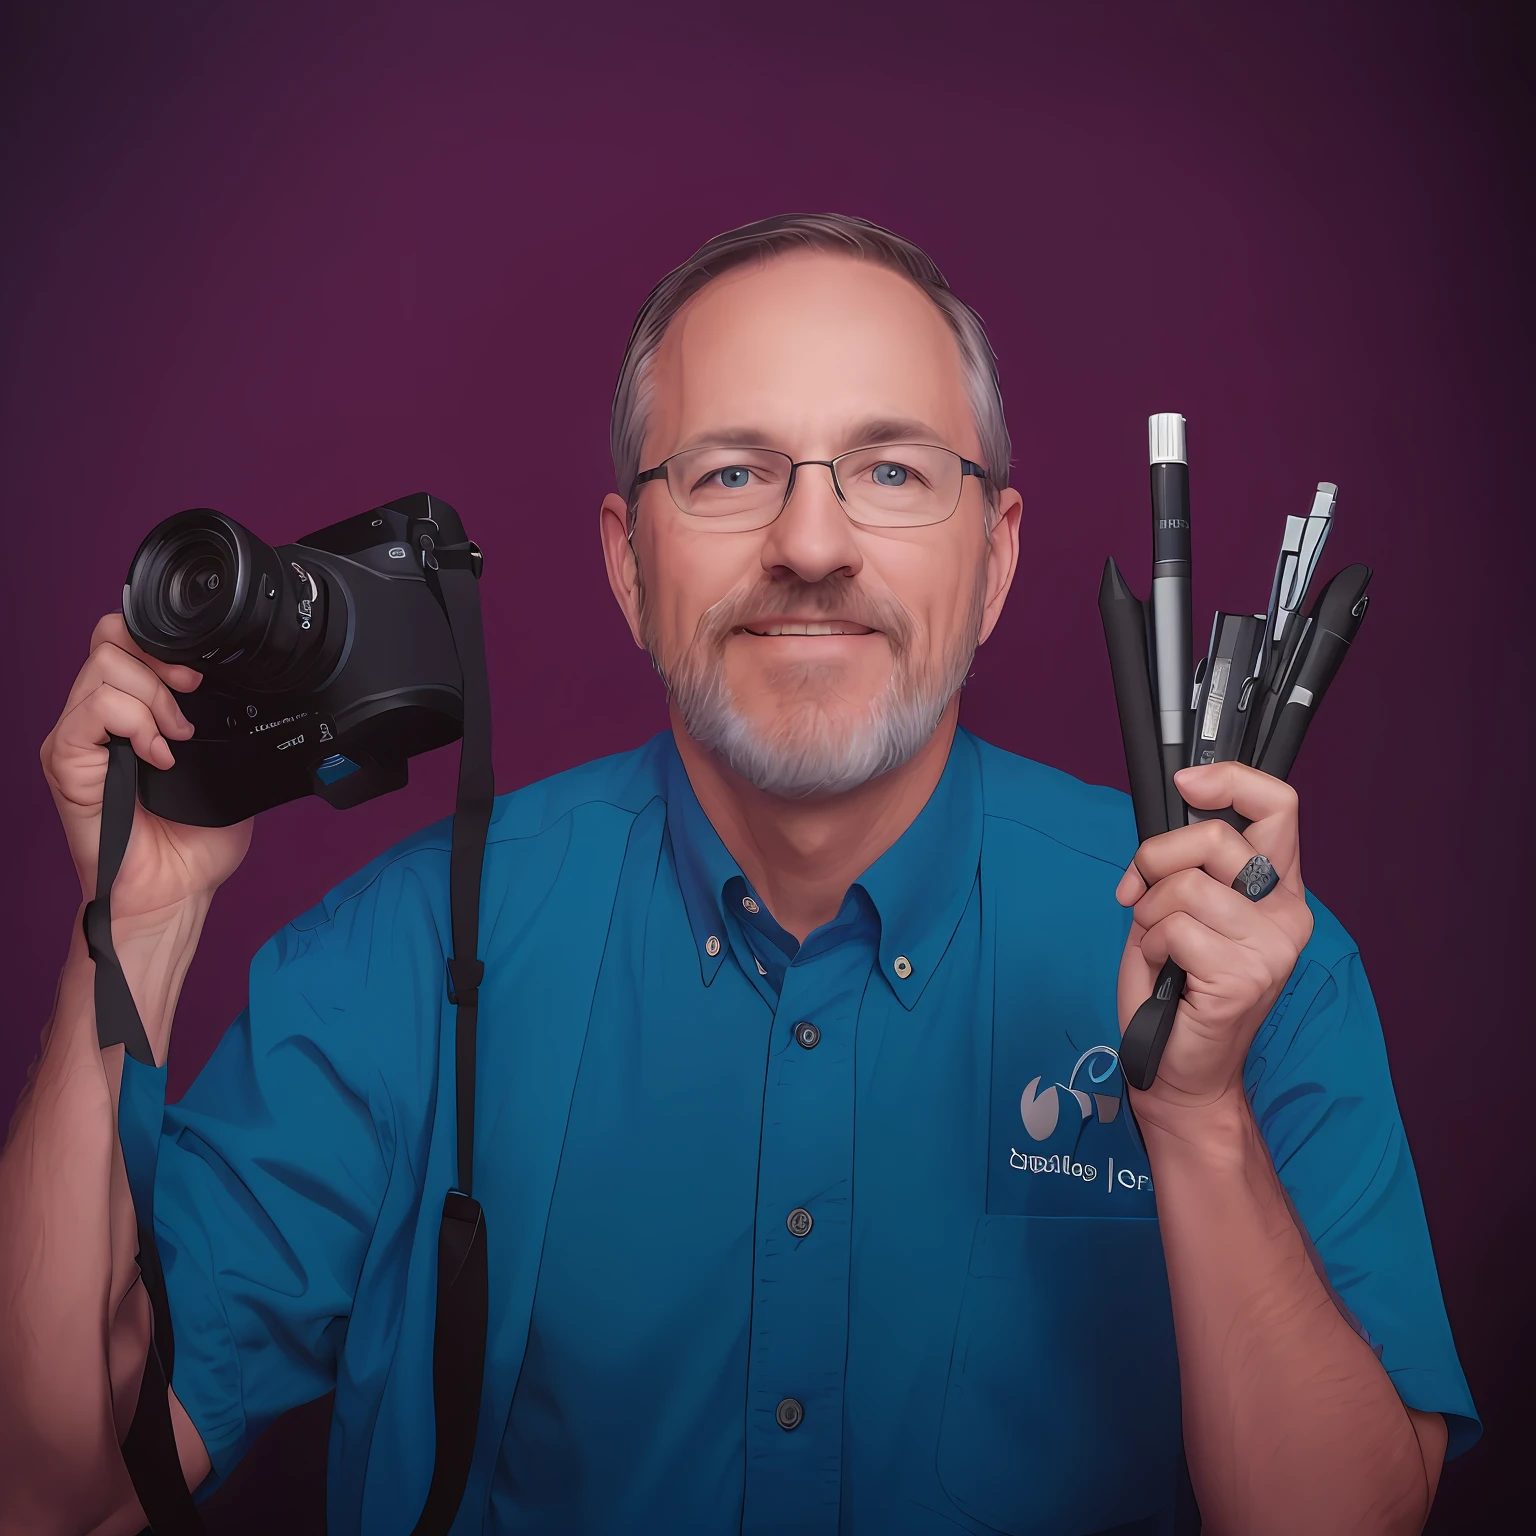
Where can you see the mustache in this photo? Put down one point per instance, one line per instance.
(838, 597)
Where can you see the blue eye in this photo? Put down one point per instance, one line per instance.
(734, 477)
(890, 474)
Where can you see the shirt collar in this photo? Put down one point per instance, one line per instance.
(704, 865)
(919, 886)
(922, 883)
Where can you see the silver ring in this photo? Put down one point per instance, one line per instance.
(1257, 878)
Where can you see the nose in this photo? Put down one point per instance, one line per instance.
(812, 536)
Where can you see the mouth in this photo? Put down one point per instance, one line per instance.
(766, 629)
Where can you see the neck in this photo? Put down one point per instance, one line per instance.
(802, 855)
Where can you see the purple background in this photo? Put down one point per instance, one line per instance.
(291, 261)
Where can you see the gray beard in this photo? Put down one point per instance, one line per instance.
(806, 749)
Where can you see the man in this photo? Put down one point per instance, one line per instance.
(814, 1199)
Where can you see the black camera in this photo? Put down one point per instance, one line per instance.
(326, 663)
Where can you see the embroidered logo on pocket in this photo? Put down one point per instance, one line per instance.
(1041, 1109)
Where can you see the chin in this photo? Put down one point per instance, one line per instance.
(813, 746)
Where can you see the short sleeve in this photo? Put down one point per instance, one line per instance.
(1321, 1091)
(275, 1166)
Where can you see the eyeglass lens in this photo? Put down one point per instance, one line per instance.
(897, 485)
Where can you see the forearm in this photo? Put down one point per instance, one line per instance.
(74, 1321)
(1290, 1421)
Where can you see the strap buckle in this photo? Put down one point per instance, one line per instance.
(464, 978)
(451, 557)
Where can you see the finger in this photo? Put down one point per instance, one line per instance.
(112, 630)
(1238, 972)
(79, 736)
(117, 669)
(1278, 922)
(1214, 846)
(1269, 804)
(1213, 786)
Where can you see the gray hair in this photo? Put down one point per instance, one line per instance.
(833, 232)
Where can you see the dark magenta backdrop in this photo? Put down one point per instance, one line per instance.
(296, 260)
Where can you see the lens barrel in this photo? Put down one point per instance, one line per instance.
(204, 591)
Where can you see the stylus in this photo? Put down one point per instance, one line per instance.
(1335, 621)
(1171, 597)
(1125, 634)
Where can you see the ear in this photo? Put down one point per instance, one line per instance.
(619, 557)
(1002, 559)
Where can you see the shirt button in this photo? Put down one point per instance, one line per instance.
(807, 1035)
(789, 1413)
(902, 967)
(799, 1221)
(749, 904)
(712, 945)
(761, 969)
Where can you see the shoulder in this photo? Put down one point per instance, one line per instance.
(1089, 820)
(591, 805)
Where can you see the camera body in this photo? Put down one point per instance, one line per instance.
(327, 663)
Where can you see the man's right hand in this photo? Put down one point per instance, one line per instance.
(74, 1320)
(123, 692)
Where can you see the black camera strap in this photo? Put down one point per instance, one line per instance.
(452, 570)
(149, 1449)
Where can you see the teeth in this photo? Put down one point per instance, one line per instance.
(812, 629)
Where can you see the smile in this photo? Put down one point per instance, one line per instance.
(789, 627)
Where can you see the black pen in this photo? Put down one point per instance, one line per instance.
(1170, 597)
(1335, 621)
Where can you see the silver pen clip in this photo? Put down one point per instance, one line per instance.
(1300, 551)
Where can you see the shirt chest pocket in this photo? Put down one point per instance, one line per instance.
(1061, 1413)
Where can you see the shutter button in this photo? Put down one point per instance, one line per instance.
(799, 1221)
(789, 1413)
(807, 1035)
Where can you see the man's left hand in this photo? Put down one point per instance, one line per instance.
(1238, 953)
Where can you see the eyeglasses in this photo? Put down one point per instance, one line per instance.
(895, 485)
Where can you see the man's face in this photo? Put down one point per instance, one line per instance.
(813, 355)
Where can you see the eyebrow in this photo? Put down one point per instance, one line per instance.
(865, 434)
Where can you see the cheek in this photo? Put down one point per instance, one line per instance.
(686, 575)
(934, 583)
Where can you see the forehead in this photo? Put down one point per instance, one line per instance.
(805, 348)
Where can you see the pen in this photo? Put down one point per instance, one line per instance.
(1335, 621)
(1300, 551)
(1221, 721)
(1171, 597)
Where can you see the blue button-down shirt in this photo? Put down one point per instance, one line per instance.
(973, 1332)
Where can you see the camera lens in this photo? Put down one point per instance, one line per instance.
(197, 586)
(204, 591)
